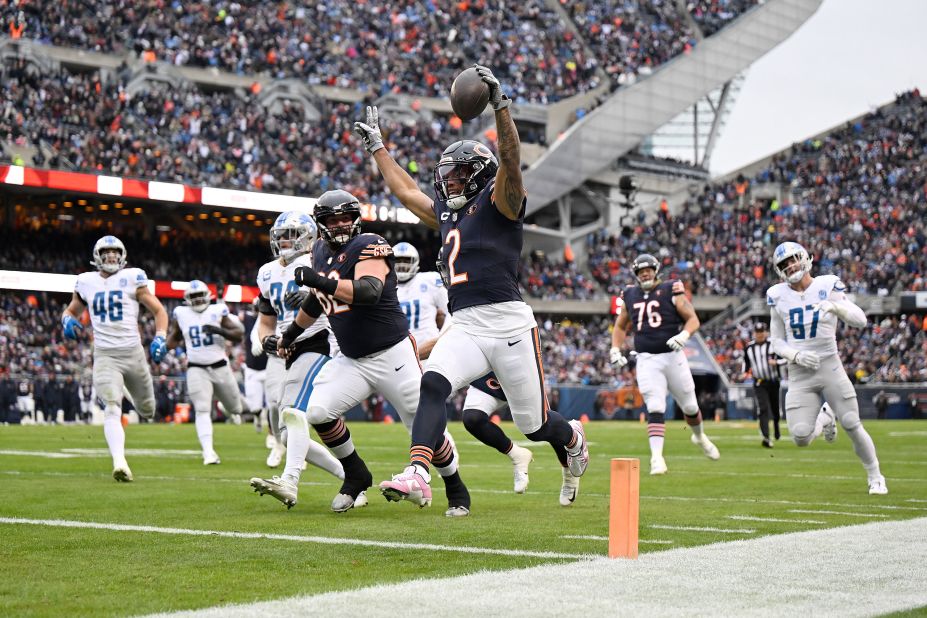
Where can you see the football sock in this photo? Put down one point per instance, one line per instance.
(430, 419)
(695, 423)
(320, 457)
(443, 458)
(487, 432)
(204, 432)
(297, 444)
(115, 434)
(656, 428)
(865, 450)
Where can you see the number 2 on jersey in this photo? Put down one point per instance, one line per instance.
(453, 237)
(797, 321)
(111, 310)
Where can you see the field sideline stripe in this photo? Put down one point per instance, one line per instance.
(64, 523)
(774, 519)
(874, 564)
(746, 500)
(846, 513)
(593, 537)
(703, 529)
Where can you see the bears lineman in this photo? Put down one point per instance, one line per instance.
(113, 293)
(203, 327)
(662, 319)
(803, 313)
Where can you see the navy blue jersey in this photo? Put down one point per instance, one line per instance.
(654, 317)
(481, 251)
(489, 385)
(361, 330)
(257, 363)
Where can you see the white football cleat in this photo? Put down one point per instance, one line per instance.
(122, 473)
(578, 462)
(877, 487)
(344, 502)
(521, 457)
(278, 487)
(657, 466)
(411, 484)
(276, 455)
(569, 490)
(270, 441)
(830, 423)
(211, 458)
(457, 511)
(710, 450)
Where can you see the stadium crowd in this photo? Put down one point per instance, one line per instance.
(184, 134)
(857, 199)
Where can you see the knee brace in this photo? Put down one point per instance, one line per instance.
(112, 410)
(656, 418)
(474, 419)
(802, 434)
(295, 418)
(690, 410)
(850, 421)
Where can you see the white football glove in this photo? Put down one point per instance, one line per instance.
(809, 360)
(370, 131)
(825, 307)
(617, 358)
(678, 342)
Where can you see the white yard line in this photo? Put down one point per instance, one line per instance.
(703, 529)
(844, 513)
(875, 565)
(63, 523)
(774, 519)
(592, 537)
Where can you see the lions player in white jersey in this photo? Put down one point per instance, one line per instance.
(803, 329)
(113, 293)
(202, 327)
(288, 383)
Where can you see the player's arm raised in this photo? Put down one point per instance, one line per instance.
(397, 179)
(509, 193)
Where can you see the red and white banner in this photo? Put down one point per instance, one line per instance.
(213, 197)
(45, 282)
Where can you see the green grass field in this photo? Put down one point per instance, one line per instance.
(57, 570)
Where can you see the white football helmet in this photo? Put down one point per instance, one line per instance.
(784, 253)
(292, 235)
(109, 263)
(406, 261)
(197, 296)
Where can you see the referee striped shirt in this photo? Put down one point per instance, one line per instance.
(761, 361)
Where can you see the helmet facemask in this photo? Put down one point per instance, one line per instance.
(198, 297)
(642, 263)
(792, 263)
(290, 242)
(406, 261)
(339, 235)
(457, 182)
(109, 255)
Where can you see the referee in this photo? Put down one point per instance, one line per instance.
(763, 364)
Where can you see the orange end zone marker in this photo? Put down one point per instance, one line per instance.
(624, 508)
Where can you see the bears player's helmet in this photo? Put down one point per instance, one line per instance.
(791, 262)
(103, 254)
(197, 296)
(407, 261)
(645, 260)
(333, 203)
(463, 170)
(291, 235)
